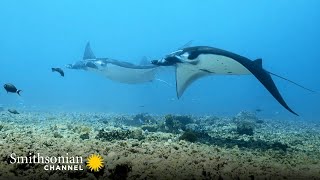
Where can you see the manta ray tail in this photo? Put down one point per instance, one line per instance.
(292, 82)
(88, 53)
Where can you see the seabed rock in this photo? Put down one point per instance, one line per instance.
(207, 150)
(144, 118)
(120, 172)
(245, 127)
(119, 134)
(189, 136)
(57, 135)
(150, 128)
(175, 124)
(84, 136)
(246, 123)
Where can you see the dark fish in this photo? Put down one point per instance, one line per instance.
(13, 111)
(11, 88)
(59, 70)
(259, 110)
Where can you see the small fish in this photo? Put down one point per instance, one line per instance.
(259, 110)
(59, 70)
(13, 111)
(11, 88)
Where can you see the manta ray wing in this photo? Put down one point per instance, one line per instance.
(186, 74)
(130, 75)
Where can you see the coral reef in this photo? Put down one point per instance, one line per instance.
(149, 128)
(245, 127)
(135, 120)
(120, 172)
(84, 136)
(175, 124)
(246, 123)
(144, 118)
(119, 134)
(245, 115)
(189, 136)
(57, 135)
(202, 148)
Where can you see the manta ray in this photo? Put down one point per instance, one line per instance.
(119, 71)
(195, 62)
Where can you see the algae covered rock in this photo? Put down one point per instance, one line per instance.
(136, 120)
(245, 127)
(136, 134)
(189, 136)
(246, 123)
(149, 128)
(174, 124)
(84, 136)
(121, 171)
(193, 127)
(144, 118)
(119, 134)
(245, 115)
(82, 129)
(57, 135)
(193, 136)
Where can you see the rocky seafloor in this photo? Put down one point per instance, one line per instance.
(144, 146)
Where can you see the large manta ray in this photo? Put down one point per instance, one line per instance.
(116, 70)
(193, 63)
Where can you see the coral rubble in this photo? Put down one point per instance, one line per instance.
(166, 147)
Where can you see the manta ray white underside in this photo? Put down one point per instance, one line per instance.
(126, 75)
(187, 73)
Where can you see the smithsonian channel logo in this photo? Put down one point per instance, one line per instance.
(60, 163)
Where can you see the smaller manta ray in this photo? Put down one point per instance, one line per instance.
(116, 70)
(58, 70)
(193, 63)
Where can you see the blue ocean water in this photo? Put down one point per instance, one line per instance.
(38, 35)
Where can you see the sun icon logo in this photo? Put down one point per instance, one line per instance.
(95, 162)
